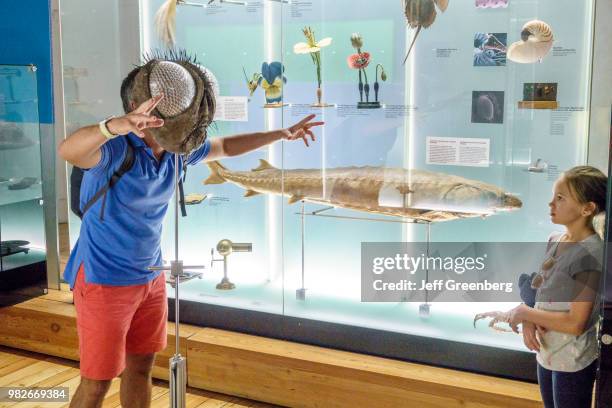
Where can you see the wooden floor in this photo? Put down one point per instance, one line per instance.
(27, 369)
(24, 369)
(252, 367)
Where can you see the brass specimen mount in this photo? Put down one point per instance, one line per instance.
(225, 247)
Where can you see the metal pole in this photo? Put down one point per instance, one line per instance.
(176, 247)
(300, 293)
(428, 231)
(303, 233)
(178, 364)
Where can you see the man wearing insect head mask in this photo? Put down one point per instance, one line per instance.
(121, 305)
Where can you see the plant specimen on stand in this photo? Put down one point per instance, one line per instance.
(271, 80)
(360, 62)
(313, 47)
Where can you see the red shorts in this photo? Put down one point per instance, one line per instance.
(115, 320)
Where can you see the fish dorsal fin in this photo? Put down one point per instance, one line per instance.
(295, 198)
(264, 165)
(250, 193)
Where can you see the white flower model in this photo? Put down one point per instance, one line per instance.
(313, 47)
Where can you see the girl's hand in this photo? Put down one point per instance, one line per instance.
(529, 336)
(515, 317)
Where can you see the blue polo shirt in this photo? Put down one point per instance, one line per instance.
(118, 250)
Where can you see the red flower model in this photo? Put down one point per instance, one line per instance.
(359, 61)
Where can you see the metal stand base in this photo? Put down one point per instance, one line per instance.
(300, 294)
(368, 105)
(225, 284)
(178, 381)
(424, 310)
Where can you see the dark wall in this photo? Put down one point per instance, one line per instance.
(25, 33)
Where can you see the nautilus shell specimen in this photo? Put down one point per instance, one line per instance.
(491, 3)
(536, 42)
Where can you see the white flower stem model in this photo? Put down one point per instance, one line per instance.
(313, 47)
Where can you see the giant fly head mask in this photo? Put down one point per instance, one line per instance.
(188, 106)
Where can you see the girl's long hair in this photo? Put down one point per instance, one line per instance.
(588, 184)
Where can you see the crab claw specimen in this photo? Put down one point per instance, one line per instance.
(496, 318)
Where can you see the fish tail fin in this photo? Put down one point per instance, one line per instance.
(215, 173)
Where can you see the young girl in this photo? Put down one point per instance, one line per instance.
(561, 326)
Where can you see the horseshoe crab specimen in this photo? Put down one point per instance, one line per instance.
(414, 194)
(421, 14)
(536, 42)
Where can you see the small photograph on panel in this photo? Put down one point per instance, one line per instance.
(487, 107)
(490, 49)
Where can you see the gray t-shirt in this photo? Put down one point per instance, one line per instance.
(562, 351)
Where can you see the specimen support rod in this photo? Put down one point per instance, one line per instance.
(303, 236)
(176, 247)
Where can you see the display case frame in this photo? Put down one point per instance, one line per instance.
(404, 346)
(410, 347)
(23, 262)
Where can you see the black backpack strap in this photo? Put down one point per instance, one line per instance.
(126, 165)
(76, 179)
(182, 190)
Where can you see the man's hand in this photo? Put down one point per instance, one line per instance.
(302, 129)
(137, 120)
(529, 336)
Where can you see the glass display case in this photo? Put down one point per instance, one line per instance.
(604, 380)
(91, 86)
(22, 236)
(445, 121)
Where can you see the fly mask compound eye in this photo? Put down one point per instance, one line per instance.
(177, 85)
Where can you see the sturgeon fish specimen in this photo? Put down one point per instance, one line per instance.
(415, 194)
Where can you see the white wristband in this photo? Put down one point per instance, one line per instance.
(104, 128)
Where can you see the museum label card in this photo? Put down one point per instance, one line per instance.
(451, 151)
(232, 109)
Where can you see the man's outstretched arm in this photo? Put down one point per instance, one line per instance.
(82, 148)
(237, 145)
